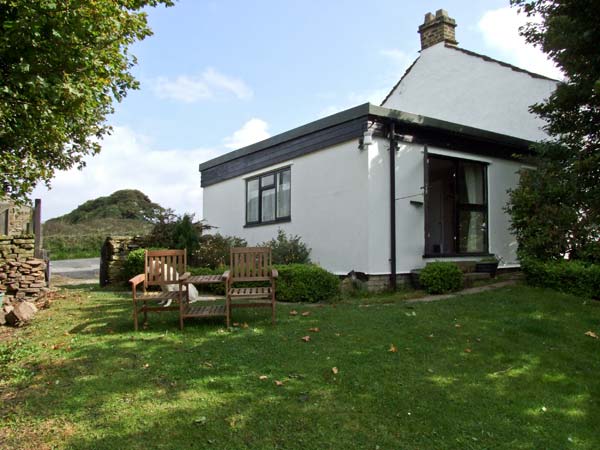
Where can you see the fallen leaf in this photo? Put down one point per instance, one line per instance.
(338, 334)
(244, 325)
(145, 366)
(68, 348)
(314, 330)
(278, 383)
(305, 338)
(263, 377)
(293, 312)
(591, 334)
(335, 370)
(458, 325)
(393, 349)
(468, 350)
(55, 346)
(306, 313)
(430, 336)
(236, 324)
(200, 420)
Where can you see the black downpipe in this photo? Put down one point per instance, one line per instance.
(392, 207)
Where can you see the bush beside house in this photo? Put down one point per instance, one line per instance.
(441, 278)
(574, 277)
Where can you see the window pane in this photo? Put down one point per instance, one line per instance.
(268, 205)
(472, 231)
(252, 201)
(283, 193)
(268, 180)
(470, 183)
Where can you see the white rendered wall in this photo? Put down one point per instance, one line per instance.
(329, 207)
(448, 84)
(410, 237)
(340, 207)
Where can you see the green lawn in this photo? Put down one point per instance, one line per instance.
(511, 369)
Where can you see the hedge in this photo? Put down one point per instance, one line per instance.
(296, 283)
(573, 277)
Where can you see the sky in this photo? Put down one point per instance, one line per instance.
(216, 76)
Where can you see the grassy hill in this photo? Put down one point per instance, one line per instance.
(80, 233)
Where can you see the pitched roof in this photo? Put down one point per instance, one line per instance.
(477, 55)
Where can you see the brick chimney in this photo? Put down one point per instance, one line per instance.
(436, 29)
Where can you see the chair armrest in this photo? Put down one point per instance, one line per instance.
(225, 275)
(137, 280)
(274, 273)
(183, 278)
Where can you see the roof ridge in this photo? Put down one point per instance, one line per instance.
(502, 63)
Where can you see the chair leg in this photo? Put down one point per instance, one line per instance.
(273, 304)
(228, 310)
(135, 316)
(145, 313)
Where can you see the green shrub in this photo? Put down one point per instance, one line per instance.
(441, 277)
(214, 250)
(305, 283)
(573, 277)
(288, 250)
(134, 264)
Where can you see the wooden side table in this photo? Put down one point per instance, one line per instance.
(195, 310)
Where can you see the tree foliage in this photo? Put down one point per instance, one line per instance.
(556, 210)
(62, 64)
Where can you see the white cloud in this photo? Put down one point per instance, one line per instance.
(208, 85)
(128, 161)
(500, 29)
(254, 130)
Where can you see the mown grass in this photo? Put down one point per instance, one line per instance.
(84, 240)
(510, 368)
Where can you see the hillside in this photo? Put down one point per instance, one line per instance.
(129, 204)
(80, 233)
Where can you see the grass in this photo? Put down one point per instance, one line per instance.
(84, 240)
(510, 368)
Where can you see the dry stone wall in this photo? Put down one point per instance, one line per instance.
(22, 277)
(14, 220)
(113, 256)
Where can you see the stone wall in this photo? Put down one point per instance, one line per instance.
(113, 256)
(22, 276)
(15, 220)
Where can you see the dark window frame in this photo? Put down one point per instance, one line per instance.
(460, 207)
(261, 188)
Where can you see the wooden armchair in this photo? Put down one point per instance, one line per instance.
(161, 268)
(250, 264)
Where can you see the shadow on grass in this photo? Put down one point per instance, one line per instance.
(509, 369)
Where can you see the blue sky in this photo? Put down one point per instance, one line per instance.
(219, 75)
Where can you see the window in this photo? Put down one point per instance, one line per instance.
(456, 207)
(268, 197)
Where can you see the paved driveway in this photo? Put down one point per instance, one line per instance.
(76, 268)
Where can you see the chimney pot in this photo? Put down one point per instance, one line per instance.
(436, 29)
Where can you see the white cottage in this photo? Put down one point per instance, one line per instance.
(384, 189)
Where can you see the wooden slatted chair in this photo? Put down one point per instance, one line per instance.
(161, 268)
(250, 264)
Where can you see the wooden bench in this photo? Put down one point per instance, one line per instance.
(250, 264)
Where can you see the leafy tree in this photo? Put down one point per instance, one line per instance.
(556, 211)
(62, 64)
